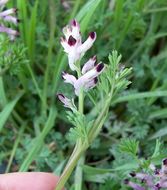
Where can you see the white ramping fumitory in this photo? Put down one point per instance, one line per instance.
(72, 43)
(3, 2)
(6, 16)
(75, 49)
(66, 101)
(155, 181)
(88, 80)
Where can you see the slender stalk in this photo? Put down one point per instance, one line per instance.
(78, 156)
(101, 118)
(78, 171)
(99, 121)
(77, 152)
(69, 168)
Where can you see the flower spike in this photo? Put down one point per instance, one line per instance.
(88, 80)
(72, 43)
(152, 181)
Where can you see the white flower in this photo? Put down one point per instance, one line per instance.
(72, 43)
(89, 78)
(69, 78)
(89, 65)
(6, 16)
(3, 2)
(155, 180)
(66, 101)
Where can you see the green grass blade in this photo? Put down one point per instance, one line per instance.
(39, 141)
(31, 32)
(3, 99)
(5, 113)
(85, 15)
(23, 27)
(141, 95)
(160, 133)
(160, 114)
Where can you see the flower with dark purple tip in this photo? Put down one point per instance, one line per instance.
(72, 43)
(66, 101)
(8, 16)
(90, 64)
(157, 186)
(99, 67)
(164, 161)
(135, 186)
(126, 181)
(89, 78)
(155, 179)
(133, 174)
(92, 35)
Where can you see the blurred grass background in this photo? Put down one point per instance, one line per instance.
(33, 125)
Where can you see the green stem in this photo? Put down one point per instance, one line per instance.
(99, 121)
(69, 168)
(79, 150)
(102, 116)
(81, 146)
(78, 171)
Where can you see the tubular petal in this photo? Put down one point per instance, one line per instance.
(68, 78)
(87, 44)
(89, 65)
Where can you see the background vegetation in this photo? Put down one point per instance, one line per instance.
(33, 125)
